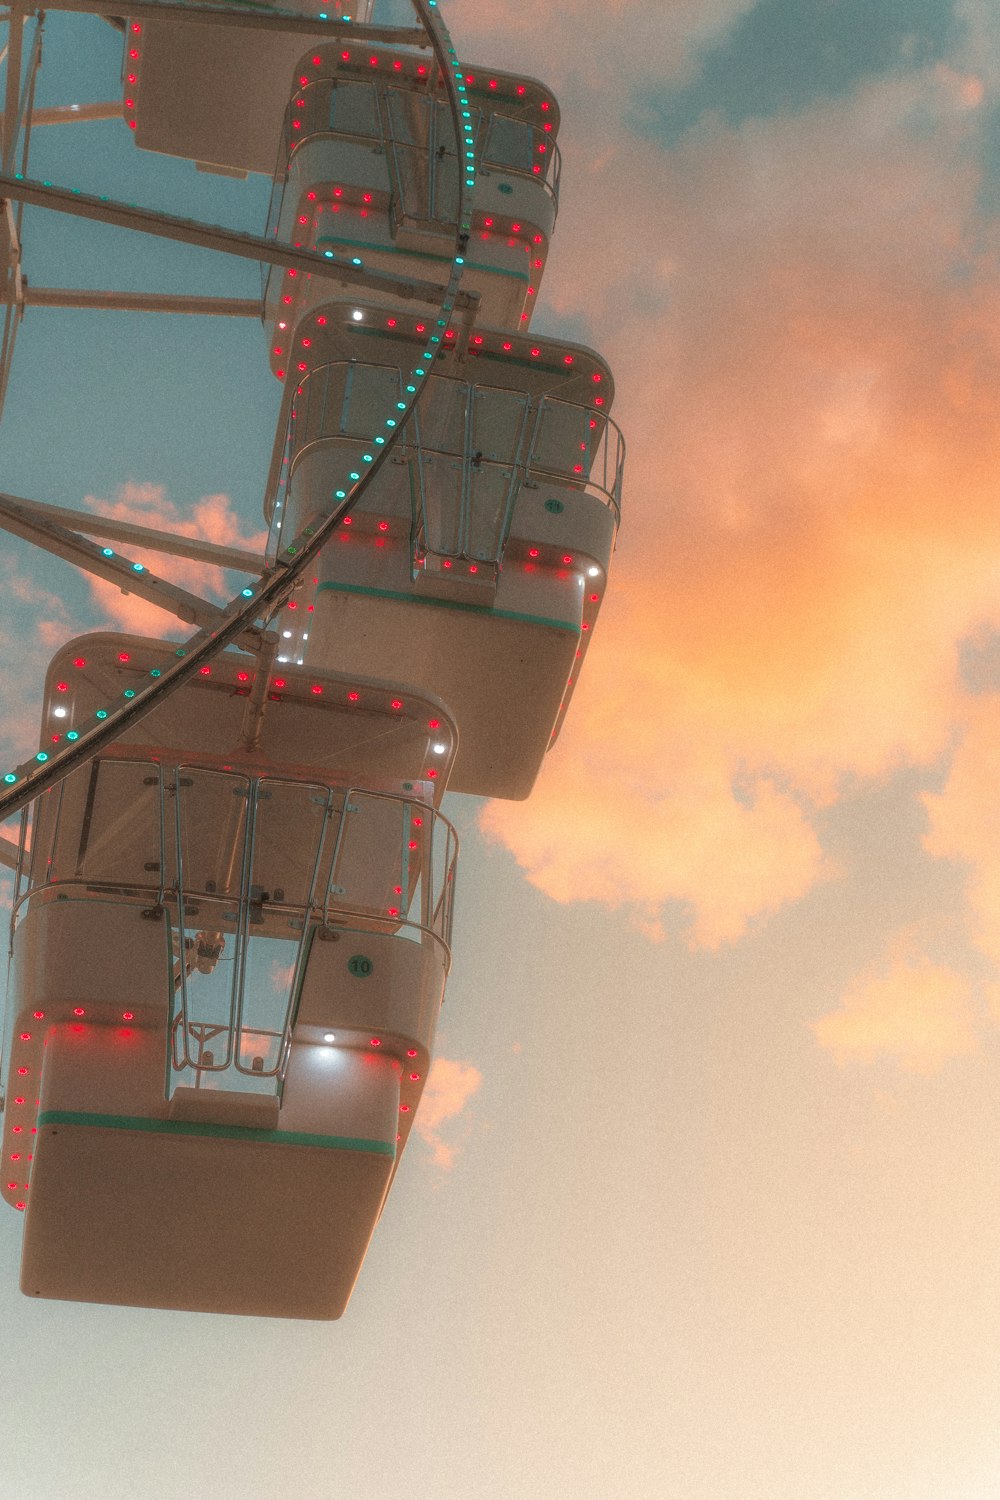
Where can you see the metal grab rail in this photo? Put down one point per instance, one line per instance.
(70, 845)
(422, 883)
(382, 860)
(606, 454)
(541, 440)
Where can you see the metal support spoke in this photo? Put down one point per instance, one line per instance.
(8, 853)
(165, 302)
(230, 241)
(65, 114)
(142, 536)
(131, 578)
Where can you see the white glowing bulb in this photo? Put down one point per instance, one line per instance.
(357, 315)
(329, 1037)
(60, 713)
(439, 749)
(286, 635)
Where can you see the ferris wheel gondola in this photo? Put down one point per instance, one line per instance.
(234, 885)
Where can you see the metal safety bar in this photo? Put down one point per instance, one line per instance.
(379, 860)
(541, 439)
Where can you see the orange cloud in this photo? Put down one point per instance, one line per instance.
(210, 519)
(803, 317)
(916, 1014)
(450, 1085)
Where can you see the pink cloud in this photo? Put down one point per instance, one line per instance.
(802, 314)
(962, 825)
(914, 1013)
(35, 623)
(209, 519)
(450, 1085)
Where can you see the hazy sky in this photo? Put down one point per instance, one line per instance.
(705, 1206)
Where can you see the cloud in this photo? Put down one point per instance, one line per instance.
(915, 1013)
(724, 859)
(211, 519)
(35, 622)
(802, 313)
(449, 1087)
(962, 822)
(592, 45)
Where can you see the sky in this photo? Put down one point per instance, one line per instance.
(704, 1202)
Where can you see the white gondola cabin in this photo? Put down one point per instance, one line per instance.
(369, 171)
(477, 560)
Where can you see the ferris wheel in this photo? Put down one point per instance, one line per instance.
(234, 881)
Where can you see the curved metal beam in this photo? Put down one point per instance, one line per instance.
(259, 602)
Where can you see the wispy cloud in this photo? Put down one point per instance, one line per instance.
(802, 315)
(449, 1087)
(594, 44)
(914, 1013)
